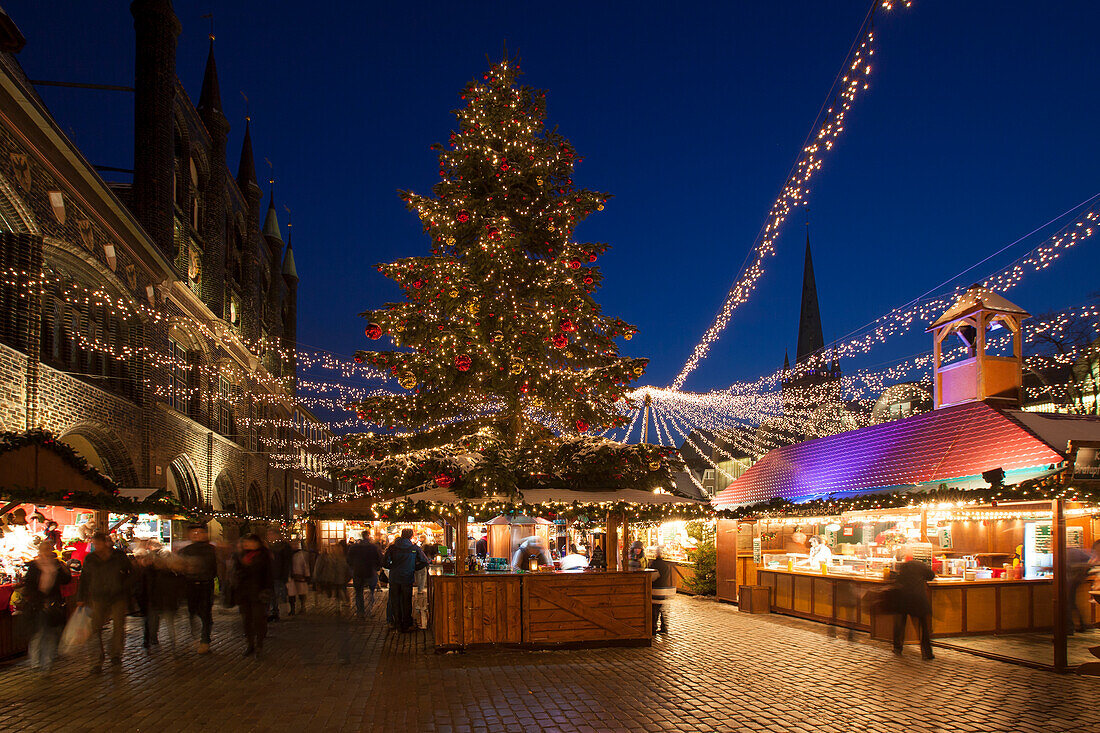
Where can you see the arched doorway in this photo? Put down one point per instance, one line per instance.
(278, 508)
(255, 500)
(102, 449)
(182, 483)
(225, 495)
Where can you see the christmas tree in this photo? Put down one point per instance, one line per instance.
(506, 362)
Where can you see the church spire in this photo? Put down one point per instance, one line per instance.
(810, 338)
(210, 98)
(246, 169)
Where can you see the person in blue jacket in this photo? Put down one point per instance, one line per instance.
(403, 558)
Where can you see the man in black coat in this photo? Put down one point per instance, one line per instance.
(105, 589)
(281, 555)
(202, 568)
(910, 598)
(365, 560)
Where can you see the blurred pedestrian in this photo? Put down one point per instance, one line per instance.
(105, 589)
(909, 597)
(202, 567)
(280, 568)
(297, 584)
(664, 589)
(365, 561)
(402, 558)
(43, 605)
(253, 591)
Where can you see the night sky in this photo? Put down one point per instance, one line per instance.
(979, 126)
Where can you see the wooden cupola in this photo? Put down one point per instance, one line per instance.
(985, 364)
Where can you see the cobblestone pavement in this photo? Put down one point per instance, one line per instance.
(718, 670)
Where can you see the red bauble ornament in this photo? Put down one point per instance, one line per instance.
(444, 481)
(560, 340)
(582, 426)
(358, 359)
(574, 264)
(591, 256)
(418, 284)
(463, 217)
(587, 281)
(366, 484)
(567, 325)
(463, 362)
(523, 388)
(374, 332)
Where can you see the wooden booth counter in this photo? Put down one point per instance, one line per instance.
(959, 607)
(546, 609)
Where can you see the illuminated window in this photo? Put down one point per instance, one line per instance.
(178, 389)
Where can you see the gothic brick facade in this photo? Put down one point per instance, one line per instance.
(152, 325)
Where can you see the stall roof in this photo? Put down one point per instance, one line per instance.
(942, 445)
(1058, 429)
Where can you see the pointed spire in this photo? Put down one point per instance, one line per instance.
(786, 361)
(210, 99)
(246, 170)
(810, 338)
(271, 221)
(290, 270)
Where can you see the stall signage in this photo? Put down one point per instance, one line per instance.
(757, 555)
(1086, 459)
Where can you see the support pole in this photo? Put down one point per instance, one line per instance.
(645, 423)
(624, 553)
(611, 541)
(1061, 589)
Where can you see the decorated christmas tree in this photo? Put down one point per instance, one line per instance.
(506, 363)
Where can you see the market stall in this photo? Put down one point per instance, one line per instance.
(494, 603)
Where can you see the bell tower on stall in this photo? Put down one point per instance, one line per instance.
(984, 360)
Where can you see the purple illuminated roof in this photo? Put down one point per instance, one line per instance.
(944, 444)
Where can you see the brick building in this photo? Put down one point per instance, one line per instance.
(151, 325)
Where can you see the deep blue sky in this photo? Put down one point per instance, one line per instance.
(980, 124)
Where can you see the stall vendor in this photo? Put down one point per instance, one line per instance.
(530, 547)
(819, 553)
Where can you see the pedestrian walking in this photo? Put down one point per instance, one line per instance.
(280, 569)
(201, 560)
(664, 589)
(160, 589)
(402, 559)
(252, 589)
(44, 606)
(297, 585)
(365, 561)
(635, 556)
(909, 597)
(105, 589)
(332, 574)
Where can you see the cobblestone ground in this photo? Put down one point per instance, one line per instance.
(718, 670)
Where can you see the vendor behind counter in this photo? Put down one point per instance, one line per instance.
(530, 548)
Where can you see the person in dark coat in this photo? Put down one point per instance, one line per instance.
(365, 561)
(252, 588)
(664, 588)
(43, 605)
(910, 598)
(201, 560)
(403, 558)
(105, 588)
(280, 569)
(481, 548)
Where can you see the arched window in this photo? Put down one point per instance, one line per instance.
(196, 198)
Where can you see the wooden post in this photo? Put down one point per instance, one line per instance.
(461, 547)
(611, 541)
(624, 553)
(923, 525)
(1061, 589)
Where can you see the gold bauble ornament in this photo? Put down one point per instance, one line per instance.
(535, 402)
(539, 180)
(515, 367)
(628, 335)
(407, 380)
(497, 336)
(450, 240)
(473, 307)
(639, 370)
(599, 208)
(454, 293)
(654, 465)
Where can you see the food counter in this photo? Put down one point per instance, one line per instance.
(541, 609)
(959, 607)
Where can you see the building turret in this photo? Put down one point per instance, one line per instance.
(272, 234)
(156, 29)
(246, 176)
(215, 196)
(290, 311)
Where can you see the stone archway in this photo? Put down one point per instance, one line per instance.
(276, 506)
(100, 447)
(225, 494)
(183, 484)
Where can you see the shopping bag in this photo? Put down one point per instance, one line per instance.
(77, 631)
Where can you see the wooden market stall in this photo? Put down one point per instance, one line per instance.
(473, 607)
